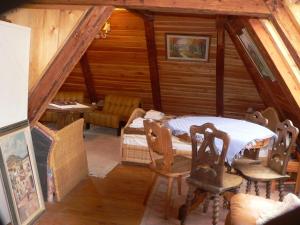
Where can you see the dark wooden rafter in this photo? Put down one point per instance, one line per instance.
(66, 59)
(89, 83)
(255, 8)
(263, 90)
(152, 58)
(220, 22)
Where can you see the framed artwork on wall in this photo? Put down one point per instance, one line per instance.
(19, 174)
(255, 55)
(185, 47)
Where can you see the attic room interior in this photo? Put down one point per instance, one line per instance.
(150, 112)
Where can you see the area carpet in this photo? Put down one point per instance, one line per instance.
(103, 150)
(154, 212)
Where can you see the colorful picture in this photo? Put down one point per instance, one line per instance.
(20, 168)
(187, 47)
(255, 55)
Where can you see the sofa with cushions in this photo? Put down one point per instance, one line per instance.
(116, 110)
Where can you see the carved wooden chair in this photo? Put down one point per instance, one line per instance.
(273, 119)
(169, 165)
(208, 174)
(275, 170)
(250, 156)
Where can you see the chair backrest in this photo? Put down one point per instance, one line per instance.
(282, 147)
(121, 105)
(256, 117)
(159, 141)
(273, 119)
(208, 160)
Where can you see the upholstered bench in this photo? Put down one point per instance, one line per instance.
(116, 109)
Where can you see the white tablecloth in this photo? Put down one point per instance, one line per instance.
(242, 134)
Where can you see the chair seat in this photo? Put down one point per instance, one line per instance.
(181, 166)
(259, 173)
(245, 161)
(230, 181)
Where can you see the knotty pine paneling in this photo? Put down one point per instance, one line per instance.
(240, 92)
(50, 27)
(186, 87)
(119, 63)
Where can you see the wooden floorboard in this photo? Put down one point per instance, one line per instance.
(114, 200)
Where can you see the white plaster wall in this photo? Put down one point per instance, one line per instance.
(14, 69)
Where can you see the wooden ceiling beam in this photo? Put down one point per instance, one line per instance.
(221, 20)
(66, 59)
(152, 59)
(87, 74)
(255, 8)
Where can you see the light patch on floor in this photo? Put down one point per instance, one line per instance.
(103, 150)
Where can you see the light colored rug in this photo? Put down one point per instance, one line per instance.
(154, 212)
(103, 150)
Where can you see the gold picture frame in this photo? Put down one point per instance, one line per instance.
(186, 47)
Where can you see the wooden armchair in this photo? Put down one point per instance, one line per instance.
(169, 166)
(207, 173)
(275, 170)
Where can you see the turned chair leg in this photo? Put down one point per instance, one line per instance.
(168, 196)
(248, 186)
(256, 188)
(153, 181)
(215, 216)
(179, 181)
(206, 204)
(268, 189)
(281, 190)
(184, 209)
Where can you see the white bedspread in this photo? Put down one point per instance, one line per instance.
(140, 140)
(242, 134)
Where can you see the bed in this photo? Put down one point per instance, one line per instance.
(134, 148)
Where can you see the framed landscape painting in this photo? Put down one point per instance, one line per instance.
(187, 47)
(255, 55)
(19, 174)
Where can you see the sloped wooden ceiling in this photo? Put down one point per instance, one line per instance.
(277, 40)
(119, 65)
(50, 27)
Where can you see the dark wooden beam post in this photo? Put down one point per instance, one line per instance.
(89, 83)
(152, 59)
(220, 65)
(64, 62)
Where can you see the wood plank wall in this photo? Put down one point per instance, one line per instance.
(49, 29)
(239, 89)
(187, 87)
(119, 63)
(119, 66)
